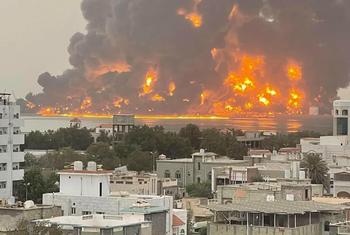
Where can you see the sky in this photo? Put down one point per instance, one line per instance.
(34, 37)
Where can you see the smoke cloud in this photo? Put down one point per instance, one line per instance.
(172, 57)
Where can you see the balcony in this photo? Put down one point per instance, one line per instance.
(4, 139)
(16, 157)
(17, 174)
(18, 139)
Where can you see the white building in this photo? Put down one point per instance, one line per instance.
(10, 140)
(334, 149)
(133, 182)
(101, 224)
(87, 191)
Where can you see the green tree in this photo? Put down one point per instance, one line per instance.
(102, 153)
(317, 169)
(58, 160)
(193, 134)
(140, 161)
(104, 137)
(199, 190)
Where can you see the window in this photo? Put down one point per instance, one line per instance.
(3, 148)
(178, 175)
(199, 166)
(198, 180)
(337, 112)
(15, 166)
(3, 166)
(182, 232)
(15, 148)
(2, 184)
(167, 174)
(100, 213)
(100, 189)
(111, 182)
(188, 173)
(209, 176)
(74, 210)
(344, 112)
(86, 212)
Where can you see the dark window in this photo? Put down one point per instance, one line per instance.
(306, 194)
(167, 174)
(199, 166)
(342, 126)
(100, 189)
(337, 112)
(178, 175)
(326, 226)
(198, 180)
(344, 112)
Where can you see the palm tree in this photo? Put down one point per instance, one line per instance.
(317, 169)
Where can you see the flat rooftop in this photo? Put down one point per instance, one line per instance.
(275, 207)
(97, 221)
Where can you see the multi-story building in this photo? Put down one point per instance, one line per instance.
(10, 153)
(196, 169)
(133, 182)
(87, 191)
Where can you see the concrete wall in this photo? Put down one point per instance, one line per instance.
(10, 218)
(223, 229)
(108, 205)
(84, 185)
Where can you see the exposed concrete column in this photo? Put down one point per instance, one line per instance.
(262, 219)
(274, 220)
(288, 220)
(247, 223)
(295, 220)
(310, 218)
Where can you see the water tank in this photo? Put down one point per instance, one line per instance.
(78, 166)
(201, 151)
(28, 204)
(162, 157)
(91, 166)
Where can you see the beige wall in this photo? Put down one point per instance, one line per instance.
(224, 229)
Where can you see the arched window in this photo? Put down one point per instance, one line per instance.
(178, 174)
(166, 174)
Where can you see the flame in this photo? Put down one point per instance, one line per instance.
(86, 103)
(203, 97)
(119, 101)
(171, 88)
(271, 91)
(263, 100)
(294, 71)
(295, 101)
(149, 82)
(193, 16)
(157, 98)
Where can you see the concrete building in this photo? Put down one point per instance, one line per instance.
(11, 139)
(273, 218)
(251, 139)
(180, 222)
(104, 128)
(133, 182)
(11, 217)
(170, 187)
(334, 149)
(196, 169)
(87, 191)
(101, 224)
(122, 124)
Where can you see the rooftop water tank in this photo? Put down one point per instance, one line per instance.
(78, 166)
(91, 166)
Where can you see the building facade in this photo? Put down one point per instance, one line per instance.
(197, 169)
(11, 139)
(87, 191)
(133, 182)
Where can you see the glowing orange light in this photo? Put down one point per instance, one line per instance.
(118, 67)
(157, 98)
(150, 80)
(264, 100)
(270, 91)
(294, 71)
(171, 88)
(86, 103)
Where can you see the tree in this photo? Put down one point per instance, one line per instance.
(25, 227)
(104, 137)
(199, 189)
(317, 169)
(192, 133)
(103, 154)
(58, 160)
(140, 161)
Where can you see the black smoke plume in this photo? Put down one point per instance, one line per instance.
(143, 34)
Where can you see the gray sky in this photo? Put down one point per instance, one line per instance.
(34, 37)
